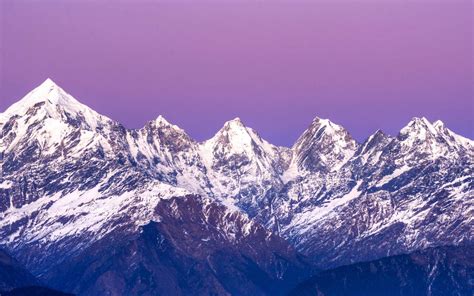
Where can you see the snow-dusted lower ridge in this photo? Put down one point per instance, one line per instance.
(70, 176)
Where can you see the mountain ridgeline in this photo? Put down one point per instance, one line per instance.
(90, 207)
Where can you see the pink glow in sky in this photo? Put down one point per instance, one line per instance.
(275, 64)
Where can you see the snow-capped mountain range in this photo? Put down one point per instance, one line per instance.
(70, 176)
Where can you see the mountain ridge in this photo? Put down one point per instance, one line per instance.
(50, 84)
(70, 177)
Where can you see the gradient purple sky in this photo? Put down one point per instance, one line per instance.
(275, 64)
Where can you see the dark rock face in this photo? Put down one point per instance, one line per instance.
(198, 247)
(12, 274)
(439, 271)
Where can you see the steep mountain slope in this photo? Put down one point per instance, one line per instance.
(323, 147)
(50, 142)
(242, 166)
(67, 178)
(195, 247)
(440, 271)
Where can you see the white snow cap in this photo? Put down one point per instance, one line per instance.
(330, 128)
(419, 125)
(48, 92)
(161, 121)
(236, 122)
(52, 96)
(324, 122)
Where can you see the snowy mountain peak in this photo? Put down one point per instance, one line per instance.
(51, 93)
(49, 100)
(235, 123)
(234, 135)
(376, 137)
(160, 121)
(373, 146)
(323, 146)
(326, 123)
(420, 136)
(323, 130)
(419, 125)
(324, 127)
(240, 146)
(320, 120)
(48, 115)
(418, 128)
(48, 84)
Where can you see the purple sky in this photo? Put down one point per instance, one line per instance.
(275, 64)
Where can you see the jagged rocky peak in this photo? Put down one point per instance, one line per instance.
(432, 138)
(419, 127)
(377, 137)
(47, 92)
(236, 122)
(161, 132)
(324, 146)
(452, 137)
(235, 133)
(235, 138)
(49, 121)
(236, 156)
(325, 131)
(163, 126)
(375, 143)
(162, 122)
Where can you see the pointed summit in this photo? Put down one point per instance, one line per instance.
(234, 132)
(48, 93)
(234, 135)
(234, 123)
(373, 144)
(321, 126)
(322, 121)
(419, 128)
(324, 145)
(48, 100)
(235, 138)
(322, 129)
(48, 84)
(374, 139)
(160, 121)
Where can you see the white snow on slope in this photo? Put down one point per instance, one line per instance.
(305, 220)
(89, 211)
(396, 173)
